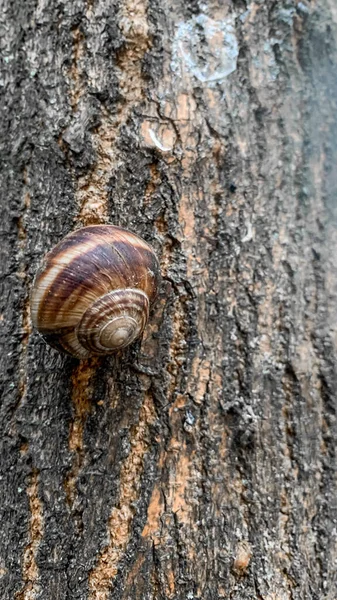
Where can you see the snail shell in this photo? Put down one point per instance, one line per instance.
(93, 292)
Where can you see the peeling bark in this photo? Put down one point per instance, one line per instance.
(201, 461)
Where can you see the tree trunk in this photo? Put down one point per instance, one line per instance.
(200, 463)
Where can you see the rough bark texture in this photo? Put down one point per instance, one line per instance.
(201, 462)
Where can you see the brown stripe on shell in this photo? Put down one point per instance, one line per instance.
(89, 274)
(78, 282)
(67, 342)
(143, 264)
(95, 232)
(54, 268)
(129, 304)
(86, 265)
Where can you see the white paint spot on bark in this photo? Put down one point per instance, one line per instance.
(250, 234)
(205, 48)
(158, 143)
(159, 135)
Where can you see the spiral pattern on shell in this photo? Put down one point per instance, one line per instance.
(93, 292)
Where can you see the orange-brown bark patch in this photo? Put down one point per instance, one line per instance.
(133, 573)
(154, 511)
(154, 181)
(76, 85)
(92, 187)
(187, 222)
(242, 557)
(26, 326)
(179, 486)
(30, 572)
(201, 373)
(81, 399)
(134, 26)
(120, 522)
(177, 347)
(170, 578)
(26, 331)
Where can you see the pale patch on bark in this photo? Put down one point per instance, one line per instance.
(205, 48)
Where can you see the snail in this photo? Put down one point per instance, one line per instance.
(93, 291)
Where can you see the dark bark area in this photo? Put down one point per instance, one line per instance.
(201, 461)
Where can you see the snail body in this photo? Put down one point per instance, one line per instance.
(93, 291)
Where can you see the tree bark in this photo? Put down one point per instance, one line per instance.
(201, 461)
